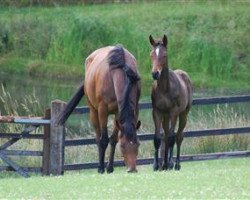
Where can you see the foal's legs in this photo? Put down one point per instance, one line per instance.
(157, 137)
(169, 139)
(179, 137)
(113, 141)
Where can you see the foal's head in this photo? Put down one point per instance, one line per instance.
(158, 55)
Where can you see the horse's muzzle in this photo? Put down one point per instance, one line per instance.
(155, 75)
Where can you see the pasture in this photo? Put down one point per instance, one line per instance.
(209, 40)
(217, 179)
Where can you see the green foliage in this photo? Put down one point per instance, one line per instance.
(219, 179)
(208, 40)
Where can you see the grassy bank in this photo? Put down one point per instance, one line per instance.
(220, 179)
(209, 40)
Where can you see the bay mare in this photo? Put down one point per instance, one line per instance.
(171, 100)
(112, 86)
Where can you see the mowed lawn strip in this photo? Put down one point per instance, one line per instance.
(220, 179)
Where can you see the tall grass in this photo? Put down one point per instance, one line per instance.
(30, 106)
(209, 40)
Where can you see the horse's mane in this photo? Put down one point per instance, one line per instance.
(117, 60)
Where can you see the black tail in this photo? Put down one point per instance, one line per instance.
(117, 57)
(117, 60)
(64, 115)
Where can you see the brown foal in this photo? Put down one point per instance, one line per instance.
(171, 100)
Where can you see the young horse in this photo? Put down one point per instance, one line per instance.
(171, 99)
(112, 86)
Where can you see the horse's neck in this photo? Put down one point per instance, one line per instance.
(163, 82)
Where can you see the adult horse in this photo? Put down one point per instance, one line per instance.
(112, 86)
(171, 99)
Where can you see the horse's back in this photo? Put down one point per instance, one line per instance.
(99, 84)
(97, 56)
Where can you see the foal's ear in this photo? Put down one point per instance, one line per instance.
(138, 125)
(152, 41)
(165, 40)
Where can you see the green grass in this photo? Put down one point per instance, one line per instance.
(218, 179)
(207, 39)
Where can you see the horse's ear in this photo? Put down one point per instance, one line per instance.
(165, 40)
(138, 124)
(152, 41)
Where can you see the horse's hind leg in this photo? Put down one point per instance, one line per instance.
(95, 122)
(157, 138)
(113, 141)
(103, 140)
(179, 137)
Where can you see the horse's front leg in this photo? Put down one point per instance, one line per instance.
(113, 141)
(157, 137)
(104, 140)
(165, 126)
(179, 137)
(171, 139)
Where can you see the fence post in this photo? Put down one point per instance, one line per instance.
(57, 137)
(46, 145)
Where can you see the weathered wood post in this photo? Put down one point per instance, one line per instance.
(57, 137)
(46, 145)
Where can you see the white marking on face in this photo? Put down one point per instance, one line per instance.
(157, 51)
(159, 71)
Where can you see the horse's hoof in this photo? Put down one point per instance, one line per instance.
(110, 170)
(170, 165)
(177, 167)
(155, 167)
(164, 167)
(101, 170)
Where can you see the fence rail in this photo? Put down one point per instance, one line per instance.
(150, 136)
(147, 161)
(198, 101)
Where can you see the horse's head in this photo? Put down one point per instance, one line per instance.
(129, 143)
(158, 55)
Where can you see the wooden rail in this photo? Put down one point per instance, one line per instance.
(147, 161)
(198, 101)
(150, 136)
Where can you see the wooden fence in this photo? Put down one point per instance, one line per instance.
(54, 142)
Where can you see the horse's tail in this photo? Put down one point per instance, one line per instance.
(117, 60)
(117, 57)
(70, 106)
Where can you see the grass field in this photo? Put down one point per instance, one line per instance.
(207, 39)
(218, 179)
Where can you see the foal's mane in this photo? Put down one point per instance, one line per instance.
(117, 61)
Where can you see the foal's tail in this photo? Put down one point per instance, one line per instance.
(73, 102)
